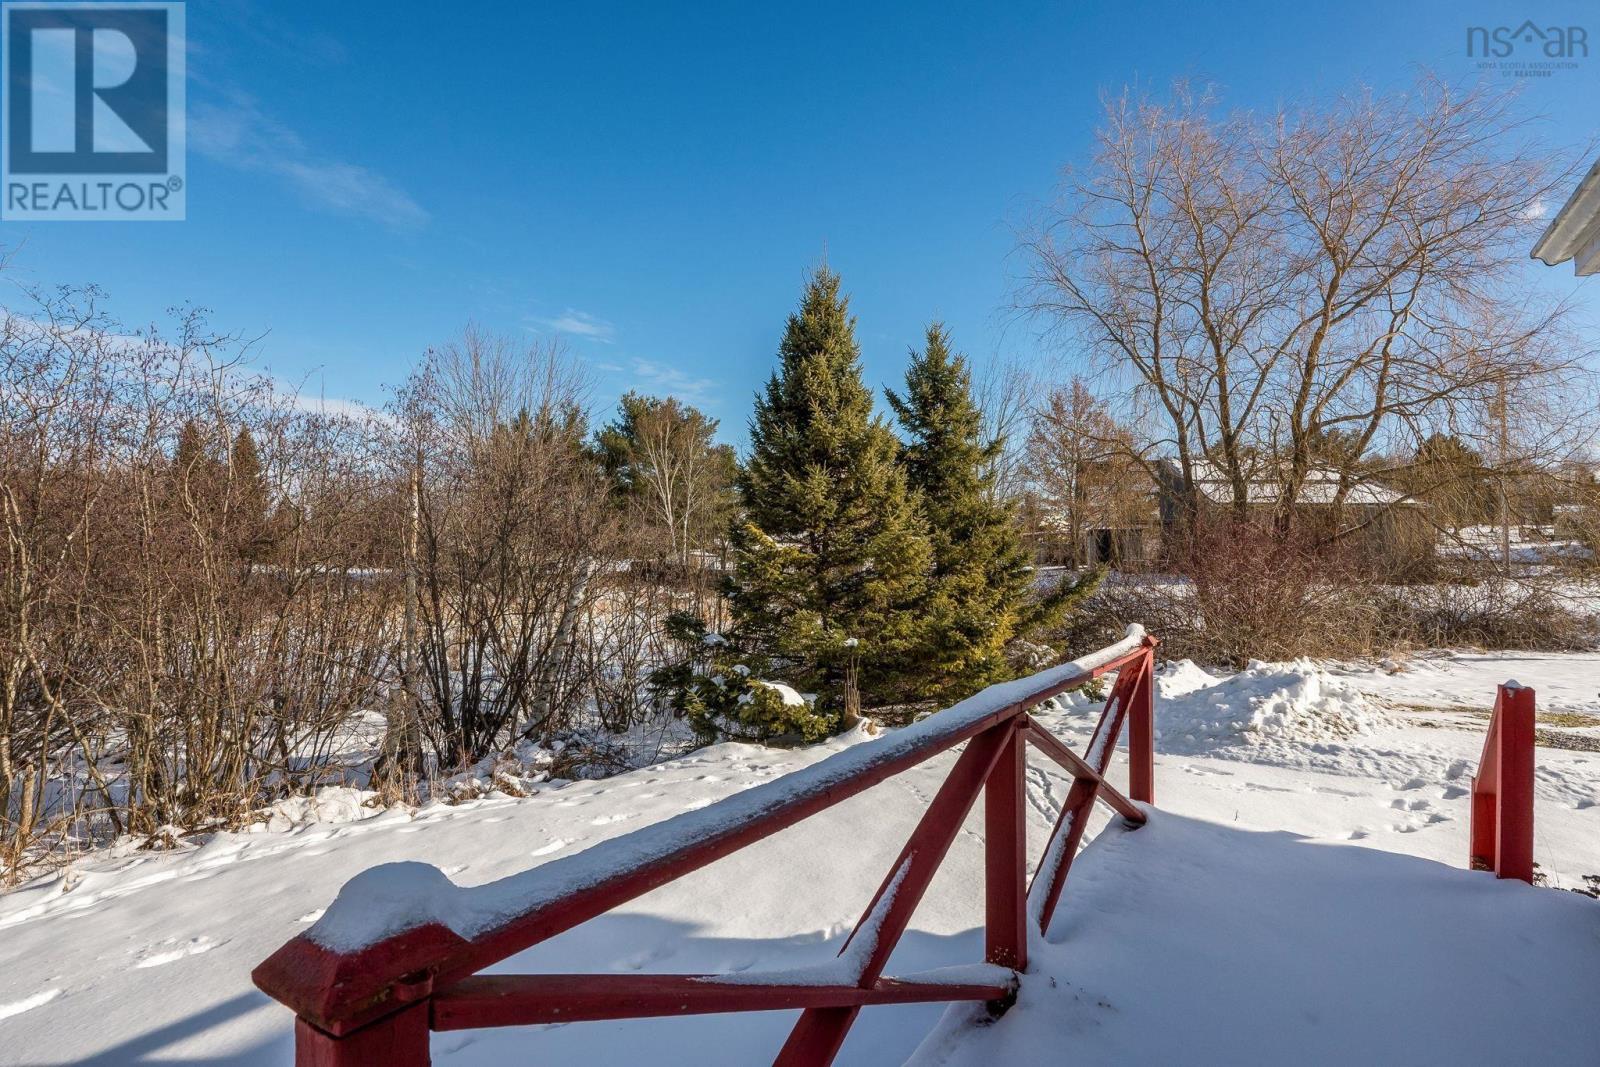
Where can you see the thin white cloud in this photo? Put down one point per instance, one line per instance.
(1536, 210)
(240, 135)
(301, 397)
(579, 324)
(332, 405)
(659, 377)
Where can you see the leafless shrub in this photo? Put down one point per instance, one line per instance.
(1494, 614)
(514, 530)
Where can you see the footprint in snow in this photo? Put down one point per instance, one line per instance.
(606, 819)
(193, 947)
(17, 1007)
(311, 916)
(555, 846)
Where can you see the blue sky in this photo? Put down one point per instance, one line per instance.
(654, 180)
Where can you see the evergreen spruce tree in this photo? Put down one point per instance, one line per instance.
(831, 554)
(189, 457)
(196, 477)
(249, 519)
(977, 594)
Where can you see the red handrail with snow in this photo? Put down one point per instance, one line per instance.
(397, 954)
(1502, 790)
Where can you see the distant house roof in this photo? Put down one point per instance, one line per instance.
(1320, 486)
(1575, 231)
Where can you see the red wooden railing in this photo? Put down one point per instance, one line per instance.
(1502, 790)
(381, 969)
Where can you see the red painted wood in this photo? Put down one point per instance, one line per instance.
(819, 1033)
(397, 1040)
(1123, 695)
(1080, 798)
(1485, 798)
(1502, 791)
(1514, 817)
(529, 999)
(1006, 854)
(816, 1038)
(338, 991)
(1046, 742)
(1142, 731)
(1074, 817)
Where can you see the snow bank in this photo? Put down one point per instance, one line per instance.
(1180, 678)
(332, 805)
(1296, 702)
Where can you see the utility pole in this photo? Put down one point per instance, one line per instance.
(1505, 462)
(408, 663)
(402, 737)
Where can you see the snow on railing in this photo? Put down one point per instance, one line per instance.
(396, 953)
(395, 897)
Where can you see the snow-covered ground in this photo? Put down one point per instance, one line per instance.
(1195, 939)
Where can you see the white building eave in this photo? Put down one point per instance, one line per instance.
(1575, 231)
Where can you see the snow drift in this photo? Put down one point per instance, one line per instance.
(1267, 702)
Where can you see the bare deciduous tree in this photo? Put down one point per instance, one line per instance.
(1262, 283)
(1079, 465)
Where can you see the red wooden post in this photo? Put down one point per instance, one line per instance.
(1485, 800)
(1502, 790)
(1513, 847)
(398, 1040)
(1006, 855)
(1142, 732)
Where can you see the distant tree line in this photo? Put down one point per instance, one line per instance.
(216, 594)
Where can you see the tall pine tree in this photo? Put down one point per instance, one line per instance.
(249, 490)
(831, 553)
(975, 599)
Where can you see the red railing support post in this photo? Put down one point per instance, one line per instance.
(1482, 856)
(398, 1040)
(1502, 790)
(1513, 845)
(816, 1037)
(1006, 855)
(1142, 732)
